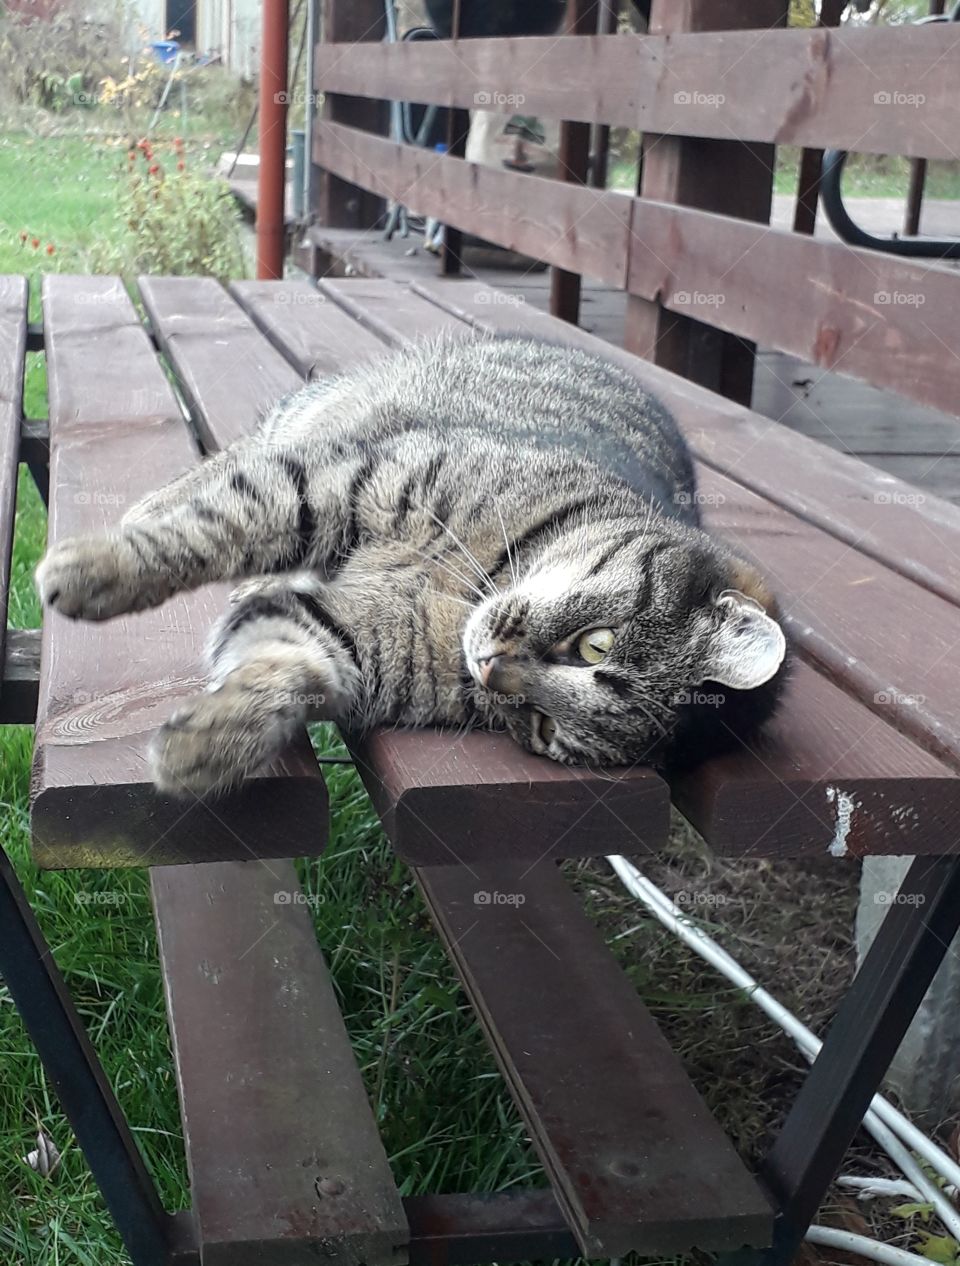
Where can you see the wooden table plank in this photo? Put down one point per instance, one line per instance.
(446, 800)
(13, 346)
(636, 1159)
(117, 432)
(228, 372)
(284, 1155)
(306, 326)
(396, 314)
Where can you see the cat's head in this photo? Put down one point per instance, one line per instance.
(650, 644)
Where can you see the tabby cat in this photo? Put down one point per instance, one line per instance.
(493, 531)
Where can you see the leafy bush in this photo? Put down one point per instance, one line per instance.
(177, 220)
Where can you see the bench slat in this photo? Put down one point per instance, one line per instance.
(396, 314)
(636, 1159)
(306, 326)
(117, 432)
(284, 1155)
(13, 346)
(228, 372)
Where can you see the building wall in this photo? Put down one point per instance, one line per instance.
(229, 27)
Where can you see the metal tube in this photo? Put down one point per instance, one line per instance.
(271, 180)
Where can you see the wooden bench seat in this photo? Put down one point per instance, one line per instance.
(283, 1151)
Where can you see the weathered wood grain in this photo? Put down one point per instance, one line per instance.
(847, 89)
(117, 433)
(21, 677)
(303, 323)
(636, 1160)
(284, 1155)
(13, 344)
(228, 372)
(578, 228)
(447, 801)
(885, 320)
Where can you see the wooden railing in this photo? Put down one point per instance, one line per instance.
(695, 249)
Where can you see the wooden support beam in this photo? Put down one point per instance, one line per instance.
(340, 204)
(718, 175)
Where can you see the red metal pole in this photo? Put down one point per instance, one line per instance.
(273, 139)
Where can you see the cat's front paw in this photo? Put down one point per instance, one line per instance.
(92, 578)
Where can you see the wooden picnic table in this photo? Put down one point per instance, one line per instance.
(862, 759)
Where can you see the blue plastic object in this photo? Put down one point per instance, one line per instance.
(165, 51)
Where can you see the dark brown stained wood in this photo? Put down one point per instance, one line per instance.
(395, 314)
(305, 326)
(21, 677)
(872, 316)
(284, 1155)
(726, 176)
(814, 88)
(584, 230)
(914, 534)
(827, 777)
(636, 1160)
(13, 343)
(445, 801)
(224, 365)
(887, 641)
(106, 687)
(520, 1224)
(338, 203)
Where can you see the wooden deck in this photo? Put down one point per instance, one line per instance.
(918, 444)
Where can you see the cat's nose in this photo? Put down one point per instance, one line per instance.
(487, 665)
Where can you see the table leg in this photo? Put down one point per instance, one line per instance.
(868, 1027)
(152, 1237)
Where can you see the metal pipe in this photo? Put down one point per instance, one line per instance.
(271, 179)
(310, 107)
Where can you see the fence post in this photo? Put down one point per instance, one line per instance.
(340, 205)
(730, 177)
(582, 18)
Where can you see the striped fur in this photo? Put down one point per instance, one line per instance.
(424, 541)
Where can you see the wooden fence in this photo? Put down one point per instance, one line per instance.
(705, 273)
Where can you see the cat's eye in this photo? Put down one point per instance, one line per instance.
(595, 645)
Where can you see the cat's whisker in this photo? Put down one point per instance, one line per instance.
(470, 557)
(506, 541)
(452, 571)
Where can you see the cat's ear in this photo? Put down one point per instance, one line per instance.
(747, 647)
